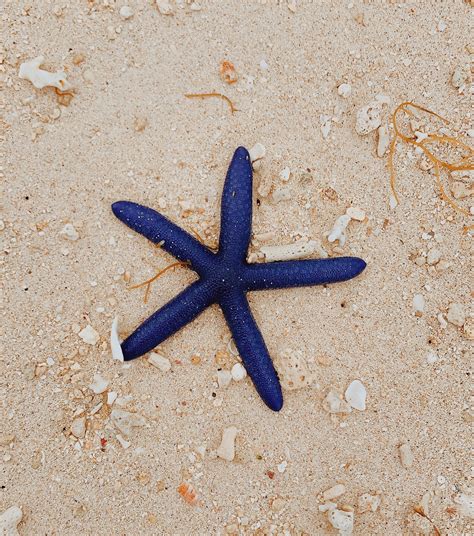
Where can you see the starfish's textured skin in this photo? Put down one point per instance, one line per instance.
(225, 277)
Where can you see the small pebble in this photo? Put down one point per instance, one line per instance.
(368, 503)
(369, 118)
(433, 257)
(344, 90)
(126, 12)
(69, 232)
(9, 521)
(355, 395)
(89, 335)
(78, 427)
(226, 449)
(456, 314)
(164, 7)
(99, 384)
(159, 361)
(257, 152)
(281, 467)
(238, 372)
(333, 403)
(418, 304)
(342, 520)
(383, 140)
(334, 492)
(285, 174)
(406, 455)
(224, 377)
(356, 213)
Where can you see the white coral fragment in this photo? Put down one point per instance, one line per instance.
(9, 521)
(226, 449)
(297, 250)
(117, 353)
(342, 520)
(355, 395)
(30, 70)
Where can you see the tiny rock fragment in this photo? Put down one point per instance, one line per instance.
(368, 503)
(257, 152)
(226, 449)
(460, 189)
(30, 70)
(238, 372)
(188, 493)
(466, 504)
(99, 384)
(117, 353)
(111, 397)
(418, 304)
(334, 403)
(334, 492)
(356, 213)
(406, 455)
(140, 124)
(164, 7)
(69, 232)
(355, 395)
(468, 329)
(460, 76)
(159, 361)
(338, 230)
(9, 521)
(325, 121)
(342, 520)
(344, 90)
(285, 174)
(126, 421)
(297, 250)
(6, 439)
(78, 427)
(456, 314)
(433, 257)
(293, 369)
(89, 335)
(227, 72)
(383, 140)
(369, 118)
(281, 467)
(126, 12)
(224, 377)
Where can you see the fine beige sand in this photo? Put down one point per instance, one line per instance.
(66, 459)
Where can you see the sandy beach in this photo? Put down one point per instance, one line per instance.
(91, 445)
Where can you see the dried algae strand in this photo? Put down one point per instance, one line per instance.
(419, 510)
(465, 164)
(149, 282)
(210, 95)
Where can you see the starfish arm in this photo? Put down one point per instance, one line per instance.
(169, 319)
(236, 207)
(287, 274)
(157, 228)
(252, 348)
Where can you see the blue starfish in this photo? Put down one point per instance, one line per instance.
(225, 277)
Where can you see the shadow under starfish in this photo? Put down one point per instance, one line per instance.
(225, 277)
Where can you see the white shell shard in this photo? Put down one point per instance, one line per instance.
(9, 521)
(406, 455)
(238, 372)
(369, 118)
(89, 335)
(342, 520)
(466, 504)
(164, 7)
(224, 377)
(78, 427)
(159, 361)
(333, 403)
(99, 384)
(30, 70)
(126, 421)
(117, 353)
(355, 395)
(257, 152)
(334, 492)
(226, 449)
(69, 232)
(338, 230)
(297, 250)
